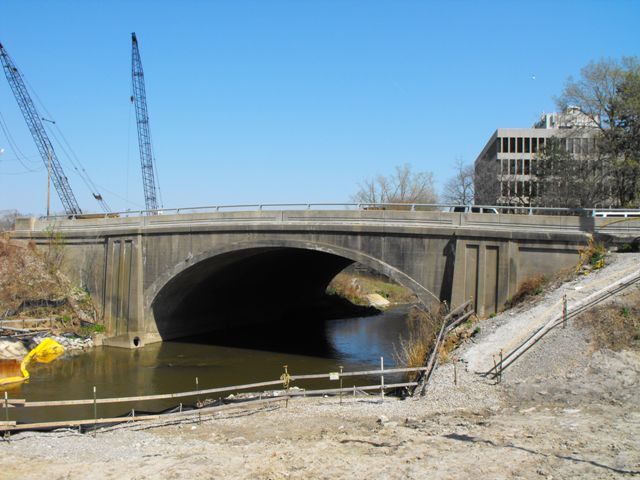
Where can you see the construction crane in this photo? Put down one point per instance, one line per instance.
(34, 122)
(139, 98)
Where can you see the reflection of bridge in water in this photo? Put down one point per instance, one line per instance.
(165, 276)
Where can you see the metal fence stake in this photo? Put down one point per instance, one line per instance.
(455, 373)
(198, 404)
(495, 368)
(564, 311)
(381, 379)
(95, 412)
(7, 434)
(341, 384)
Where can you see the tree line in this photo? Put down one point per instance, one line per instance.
(602, 172)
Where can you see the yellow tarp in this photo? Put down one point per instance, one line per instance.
(46, 352)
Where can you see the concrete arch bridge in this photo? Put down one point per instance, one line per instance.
(158, 277)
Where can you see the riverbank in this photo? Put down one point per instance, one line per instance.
(469, 430)
(38, 301)
(369, 289)
(569, 408)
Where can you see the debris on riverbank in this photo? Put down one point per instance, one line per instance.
(37, 300)
(13, 348)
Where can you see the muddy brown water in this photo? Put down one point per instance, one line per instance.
(217, 360)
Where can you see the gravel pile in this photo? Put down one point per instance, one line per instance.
(508, 329)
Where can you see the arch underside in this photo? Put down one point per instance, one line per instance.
(253, 284)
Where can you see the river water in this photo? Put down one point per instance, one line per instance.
(217, 360)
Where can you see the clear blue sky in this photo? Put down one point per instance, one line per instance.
(288, 101)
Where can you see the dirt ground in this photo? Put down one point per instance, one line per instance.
(531, 429)
(564, 410)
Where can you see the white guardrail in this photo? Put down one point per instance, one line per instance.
(414, 207)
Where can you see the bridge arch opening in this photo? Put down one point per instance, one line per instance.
(255, 285)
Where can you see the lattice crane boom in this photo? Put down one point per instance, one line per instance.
(139, 98)
(34, 122)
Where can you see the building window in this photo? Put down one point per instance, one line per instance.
(512, 145)
(518, 167)
(534, 145)
(512, 166)
(505, 145)
(527, 145)
(527, 167)
(519, 144)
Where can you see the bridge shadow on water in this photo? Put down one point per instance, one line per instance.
(359, 339)
(303, 331)
(282, 337)
(273, 299)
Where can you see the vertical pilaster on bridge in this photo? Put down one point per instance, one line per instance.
(482, 274)
(123, 298)
(482, 280)
(514, 260)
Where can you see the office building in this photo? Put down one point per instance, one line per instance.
(505, 169)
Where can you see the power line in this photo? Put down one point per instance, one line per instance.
(13, 146)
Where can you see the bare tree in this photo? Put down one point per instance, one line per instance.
(608, 92)
(403, 186)
(486, 184)
(459, 189)
(8, 219)
(570, 179)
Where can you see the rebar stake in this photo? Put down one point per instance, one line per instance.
(7, 434)
(198, 404)
(495, 368)
(95, 412)
(381, 379)
(564, 311)
(455, 373)
(341, 367)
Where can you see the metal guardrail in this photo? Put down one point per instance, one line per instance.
(284, 383)
(413, 207)
(561, 319)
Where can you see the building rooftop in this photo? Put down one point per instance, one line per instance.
(571, 117)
